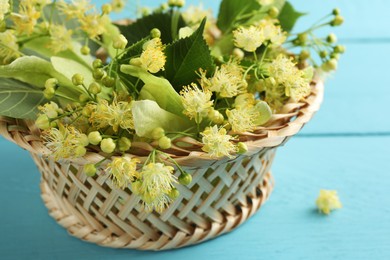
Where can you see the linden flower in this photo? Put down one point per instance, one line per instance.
(217, 143)
(93, 24)
(117, 114)
(49, 109)
(9, 49)
(66, 142)
(242, 119)
(272, 32)
(61, 38)
(297, 87)
(153, 58)
(196, 102)
(123, 171)
(157, 182)
(227, 80)
(249, 38)
(328, 201)
(76, 9)
(4, 8)
(27, 17)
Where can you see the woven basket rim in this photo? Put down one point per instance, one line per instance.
(281, 127)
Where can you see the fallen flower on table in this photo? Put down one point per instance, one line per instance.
(327, 201)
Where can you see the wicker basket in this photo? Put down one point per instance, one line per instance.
(222, 195)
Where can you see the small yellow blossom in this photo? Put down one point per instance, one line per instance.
(153, 57)
(157, 182)
(117, 114)
(217, 143)
(27, 17)
(9, 49)
(328, 201)
(65, 143)
(242, 119)
(49, 109)
(60, 38)
(4, 8)
(93, 24)
(272, 32)
(249, 38)
(196, 102)
(123, 171)
(227, 80)
(75, 9)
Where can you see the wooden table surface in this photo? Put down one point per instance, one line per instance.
(346, 147)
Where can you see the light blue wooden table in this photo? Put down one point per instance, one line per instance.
(346, 147)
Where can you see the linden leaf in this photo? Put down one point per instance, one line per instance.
(288, 17)
(185, 57)
(19, 100)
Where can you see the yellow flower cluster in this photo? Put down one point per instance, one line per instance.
(328, 201)
(217, 143)
(117, 114)
(153, 57)
(4, 8)
(66, 142)
(61, 38)
(9, 49)
(27, 17)
(228, 80)
(155, 185)
(123, 171)
(196, 102)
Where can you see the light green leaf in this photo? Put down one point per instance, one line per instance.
(264, 113)
(185, 57)
(19, 100)
(157, 89)
(32, 70)
(288, 17)
(147, 116)
(70, 67)
(40, 46)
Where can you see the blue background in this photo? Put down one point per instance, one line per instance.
(346, 147)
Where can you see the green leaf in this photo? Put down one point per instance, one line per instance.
(32, 70)
(185, 57)
(19, 100)
(142, 27)
(288, 17)
(230, 12)
(39, 45)
(147, 116)
(70, 67)
(156, 89)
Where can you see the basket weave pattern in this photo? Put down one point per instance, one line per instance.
(223, 193)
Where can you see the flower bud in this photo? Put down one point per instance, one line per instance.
(339, 49)
(49, 93)
(98, 63)
(155, 33)
(336, 11)
(43, 122)
(124, 144)
(85, 50)
(83, 98)
(304, 55)
(174, 193)
(80, 151)
(331, 38)
(84, 140)
(337, 21)
(136, 62)
(185, 178)
(106, 8)
(323, 54)
(107, 145)
(302, 37)
(120, 42)
(273, 12)
(51, 83)
(90, 170)
(330, 65)
(164, 143)
(158, 133)
(77, 79)
(238, 53)
(242, 148)
(108, 81)
(94, 88)
(94, 137)
(98, 73)
(215, 116)
(335, 56)
(87, 111)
